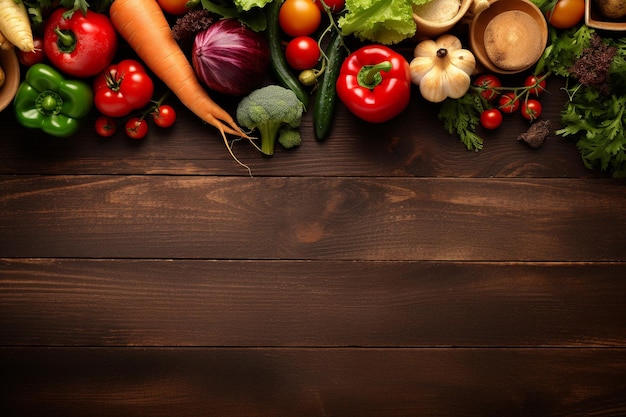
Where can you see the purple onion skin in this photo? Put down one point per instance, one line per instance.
(230, 58)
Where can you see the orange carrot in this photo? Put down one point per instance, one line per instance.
(144, 26)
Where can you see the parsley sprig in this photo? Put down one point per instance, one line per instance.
(462, 116)
(594, 114)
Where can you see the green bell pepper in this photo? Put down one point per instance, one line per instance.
(46, 100)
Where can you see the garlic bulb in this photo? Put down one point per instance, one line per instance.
(442, 68)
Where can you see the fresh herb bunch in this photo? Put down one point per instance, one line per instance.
(595, 71)
(462, 116)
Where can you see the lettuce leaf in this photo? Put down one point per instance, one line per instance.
(386, 22)
(246, 5)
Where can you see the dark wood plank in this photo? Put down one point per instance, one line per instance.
(286, 303)
(313, 382)
(414, 144)
(313, 218)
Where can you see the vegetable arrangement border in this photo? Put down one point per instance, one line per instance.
(345, 51)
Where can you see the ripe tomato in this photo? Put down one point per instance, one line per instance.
(299, 17)
(335, 5)
(105, 126)
(302, 53)
(491, 119)
(508, 103)
(566, 13)
(533, 81)
(29, 59)
(122, 88)
(486, 82)
(165, 116)
(531, 109)
(136, 128)
(175, 7)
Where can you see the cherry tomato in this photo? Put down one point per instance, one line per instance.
(35, 57)
(533, 81)
(136, 128)
(165, 116)
(299, 17)
(175, 7)
(491, 119)
(566, 13)
(105, 126)
(335, 5)
(302, 53)
(486, 82)
(507, 103)
(531, 109)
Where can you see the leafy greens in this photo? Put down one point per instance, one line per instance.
(594, 113)
(387, 22)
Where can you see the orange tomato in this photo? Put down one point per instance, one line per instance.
(175, 7)
(299, 17)
(566, 13)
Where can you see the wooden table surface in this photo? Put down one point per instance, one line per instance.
(387, 271)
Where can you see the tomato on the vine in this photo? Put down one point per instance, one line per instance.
(335, 6)
(491, 118)
(299, 17)
(164, 116)
(536, 87)
(175, 7)
(136, 128)
(508, 102)
(487, 82)
(302, 53)
(531, 109)
(122, 88)
(566, 13)
(105, 126)
(29, 59)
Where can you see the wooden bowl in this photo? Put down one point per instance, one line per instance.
(11, 67)
(508, 37)
(430, 29)
(595, 20)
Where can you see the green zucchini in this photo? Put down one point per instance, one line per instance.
(278, 62)
(325, 100)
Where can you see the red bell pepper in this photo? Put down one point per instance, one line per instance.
(81, 45)
(375, 83)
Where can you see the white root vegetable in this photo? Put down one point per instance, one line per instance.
(15, 24)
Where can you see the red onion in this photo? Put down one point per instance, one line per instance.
(230, 58)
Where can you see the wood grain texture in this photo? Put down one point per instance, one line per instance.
(60, 302)
(312, 218)
(313, 382)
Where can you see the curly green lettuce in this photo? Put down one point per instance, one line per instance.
(246, 5)
(386, 22)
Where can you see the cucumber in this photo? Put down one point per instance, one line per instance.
(278, 62)
(325, 100)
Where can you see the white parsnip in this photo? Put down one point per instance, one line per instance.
(15, 24)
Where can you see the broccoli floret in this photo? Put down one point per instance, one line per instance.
(289, 137)
(268, 109)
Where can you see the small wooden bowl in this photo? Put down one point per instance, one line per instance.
(594, 19)
(508, 37)
(11, 67)
(429, 29)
